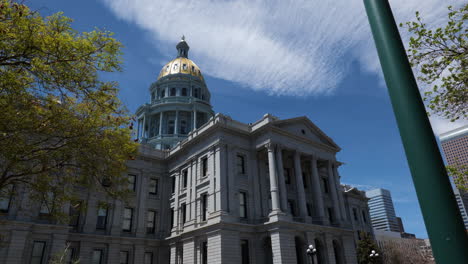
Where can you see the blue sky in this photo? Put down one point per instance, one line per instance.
(304, 58)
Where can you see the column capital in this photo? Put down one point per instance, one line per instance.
(270, 146)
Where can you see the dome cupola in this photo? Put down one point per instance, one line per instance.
(179, 104)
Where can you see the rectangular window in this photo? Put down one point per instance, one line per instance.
(204, 162)
(242, 204)
(325, 185)
(74, 213)
(291, 208)
(172, 217)
(153, 186)
(240, 164)
(173, 184)
(148, 257)
(184, 178)
(309, 209)
(102, 218)
(170, 127)
(37, 256)
(5, 198)
(287, 176)
(123, 257)
(127, 219)
(97, 256)
(355, 214)
(47, 203)
(131, 182)
(364, 217)
(151, 222)
(330, 214)
(71, 255)
(204, 206)
(245, 251)
(183, 210)
(304, 179)
(204, 252)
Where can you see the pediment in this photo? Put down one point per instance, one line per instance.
(304, 128)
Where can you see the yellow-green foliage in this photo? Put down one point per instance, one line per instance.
(441, 57)
(60, 125)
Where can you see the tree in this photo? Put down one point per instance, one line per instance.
(396, 252)
(61, 127)
(364, 249)
(441, 58)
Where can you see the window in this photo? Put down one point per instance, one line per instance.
(183, 127)
(167, 68)
(153, 186)
(325, 185)
(172, 217)
(123, 257)
(245, 251)
(176, 66)
(163, 93)
(304, 179)
(173, 184)
(46, 204)
(151, 222)
(102, 217)
(71, 255)
(97, 256)
(74, 213)
(240, 164)
(131, 182)
(5, 198)
(355, 214)
(127, 219)
(173, 92)
(193, 68)
(195, 92)
(364, 217)
(184, 67)
(204, 162)
(330, 214)
(291, 208)
(204, 252)
(37, 255)
(204, 206)
(148, 257)
(184, 91)
(287, 176)
(170, 129)
(242, 204)
(183, 210)
(309, 209)
(184, 178)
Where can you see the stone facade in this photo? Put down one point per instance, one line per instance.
(225, 192)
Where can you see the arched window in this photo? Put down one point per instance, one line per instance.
(184, 91)
(173, 92)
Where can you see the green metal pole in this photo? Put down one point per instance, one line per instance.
(443, 221)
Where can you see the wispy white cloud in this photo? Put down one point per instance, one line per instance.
(282, 47)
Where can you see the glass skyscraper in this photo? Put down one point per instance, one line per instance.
(381, 210)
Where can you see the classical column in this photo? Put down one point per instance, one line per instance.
(160, 123)
(139, 129)
(334, 191)
(176, 123)
(144, 127)
(194, 119)
(273, 179)
(317, 191)
(282, 182)
(340, 192)
(176, 203)
(300, 185)
(192, 185)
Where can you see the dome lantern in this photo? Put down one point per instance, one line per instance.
(182, 48)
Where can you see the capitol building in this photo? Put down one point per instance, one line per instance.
(205, 189)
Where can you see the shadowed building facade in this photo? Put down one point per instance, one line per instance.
(206, 189)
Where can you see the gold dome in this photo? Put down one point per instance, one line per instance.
(180, 65)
